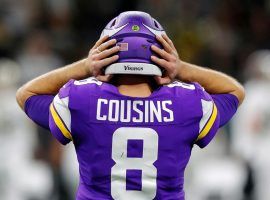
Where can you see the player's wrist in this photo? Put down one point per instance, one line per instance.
(181, 71)
(87, 67)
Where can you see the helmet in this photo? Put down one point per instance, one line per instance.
(135, 32)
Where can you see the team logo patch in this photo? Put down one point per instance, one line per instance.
(135, 28)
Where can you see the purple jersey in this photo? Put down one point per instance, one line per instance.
(128, 147)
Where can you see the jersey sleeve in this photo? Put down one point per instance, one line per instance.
(227, 105)
(60, 115)
(37, 109)
(210, 119)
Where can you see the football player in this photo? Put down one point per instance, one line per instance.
(133, 128)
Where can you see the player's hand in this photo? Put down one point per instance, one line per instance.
(100, 56)
(169, 60)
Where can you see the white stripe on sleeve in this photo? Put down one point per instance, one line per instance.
(61, 106)
(207, 108)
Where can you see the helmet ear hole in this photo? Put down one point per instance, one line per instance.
(156, 24)
(113, 23)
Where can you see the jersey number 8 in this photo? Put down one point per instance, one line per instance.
(124, 163)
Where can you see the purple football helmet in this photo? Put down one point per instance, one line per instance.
(135, 32)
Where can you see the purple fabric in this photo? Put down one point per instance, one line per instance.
(56, 131)
(37, 106)
(64, 91)
(133, 179)
(37, 109)
(135, 149)
(227, 105)
(93, 142)
(211, 134)
(92, 136)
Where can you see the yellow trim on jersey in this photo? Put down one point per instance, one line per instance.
(59, 123)
(209, 124)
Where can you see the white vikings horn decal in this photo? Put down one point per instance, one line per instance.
(111, 32)
(156, 32)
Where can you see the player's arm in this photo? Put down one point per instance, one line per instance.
(51, 82)
(36, 96)
(213, 81)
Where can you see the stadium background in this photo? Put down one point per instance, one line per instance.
(40, 35)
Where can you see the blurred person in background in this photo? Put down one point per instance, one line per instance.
(37, 57)
(251, 127)
(21, 176)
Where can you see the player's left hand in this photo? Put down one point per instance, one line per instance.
(169, 60)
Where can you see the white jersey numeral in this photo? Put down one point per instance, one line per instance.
(124, 163)
(90, 80)
(181, 84)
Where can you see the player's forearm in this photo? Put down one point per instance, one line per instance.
(100, 55)
(51, 82)
(213, 81)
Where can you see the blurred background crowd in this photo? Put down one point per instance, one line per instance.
(232, 36)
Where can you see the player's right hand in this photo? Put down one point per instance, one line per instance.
(101, 55)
